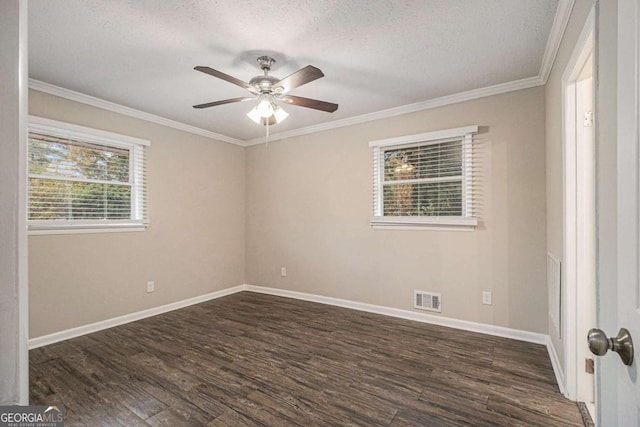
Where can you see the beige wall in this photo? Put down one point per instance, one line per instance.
(194, 244)
(307, 205)
(554, 148)
(309, 202)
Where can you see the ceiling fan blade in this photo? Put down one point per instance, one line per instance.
(310, 103)
(227, 77)
(224, 101)
(299, 78)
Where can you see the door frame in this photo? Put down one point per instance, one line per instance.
(571, 296)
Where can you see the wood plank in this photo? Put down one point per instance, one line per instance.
(258, 360)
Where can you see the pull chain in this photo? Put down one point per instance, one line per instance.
(266, 139)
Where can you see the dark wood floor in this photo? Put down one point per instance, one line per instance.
(251, 359)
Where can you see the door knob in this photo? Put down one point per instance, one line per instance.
(622, 344)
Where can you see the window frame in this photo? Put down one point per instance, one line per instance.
(137, 179)
(465, 222)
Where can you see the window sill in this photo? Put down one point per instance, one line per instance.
(85, 229)
(424, 223)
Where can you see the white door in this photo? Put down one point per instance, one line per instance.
(619, 385)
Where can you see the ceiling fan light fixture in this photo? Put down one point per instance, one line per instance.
(279, 113)
(255, 115)
(265, 106)
(276, 115)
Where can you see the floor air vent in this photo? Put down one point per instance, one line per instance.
(430, 301)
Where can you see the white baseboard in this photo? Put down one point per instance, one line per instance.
(466, 325)
(127, 318)
(557, 367)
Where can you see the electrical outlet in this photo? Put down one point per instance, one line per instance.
(283, 271)
(486, 298)
(151, 286)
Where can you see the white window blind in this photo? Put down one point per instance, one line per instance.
(83, 179)
(424, 179)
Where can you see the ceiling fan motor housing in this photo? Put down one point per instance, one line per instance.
(263, 83)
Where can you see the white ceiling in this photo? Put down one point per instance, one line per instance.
(375, 54)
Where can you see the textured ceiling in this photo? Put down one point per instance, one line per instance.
(375, 54)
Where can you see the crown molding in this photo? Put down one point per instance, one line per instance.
(560, 22)
(127, 111)
(406, 109)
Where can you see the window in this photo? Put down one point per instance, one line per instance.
(84, 180)
(424, 180)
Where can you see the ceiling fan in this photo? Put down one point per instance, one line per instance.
(268, 89)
